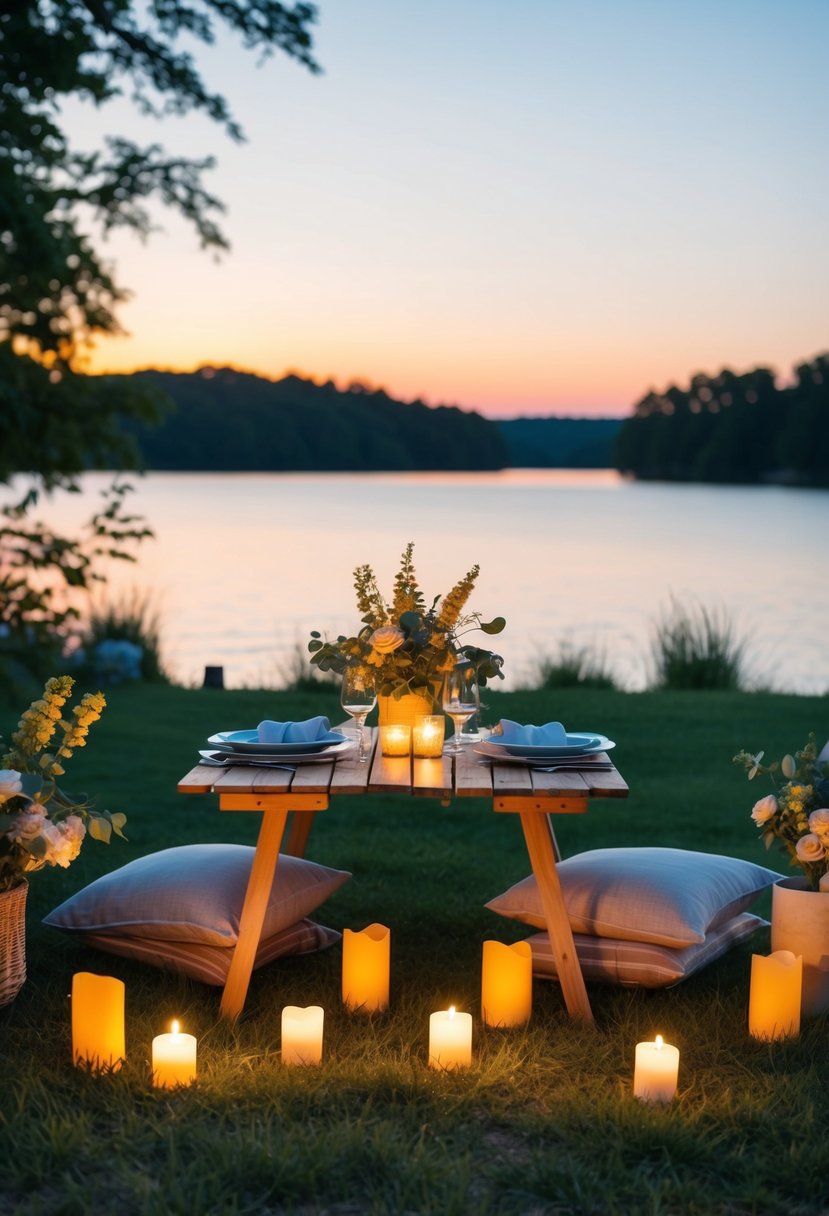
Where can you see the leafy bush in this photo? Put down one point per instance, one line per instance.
(122, 640)
(574, 665)
(697, 647)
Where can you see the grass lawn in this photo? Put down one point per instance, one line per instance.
(544, 1122)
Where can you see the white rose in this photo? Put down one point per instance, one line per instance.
(10, 783)
(809, 848)
(63, 840)
(764, 810)
(27, 825)
(819, 824)
(387, 639)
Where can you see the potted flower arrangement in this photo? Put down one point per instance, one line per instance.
(407, 645)
(40, 824)
(797, 815)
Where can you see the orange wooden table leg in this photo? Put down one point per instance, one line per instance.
(542, 858)
(299, 830)
(253, 911)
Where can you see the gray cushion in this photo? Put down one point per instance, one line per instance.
(642, 964)
(194, 893)
(210, 964)
(671, 897)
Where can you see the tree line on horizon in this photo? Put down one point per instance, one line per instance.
(223, 419)
(732, 428)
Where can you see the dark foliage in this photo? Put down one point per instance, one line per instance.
(733, 428)
(232, 420)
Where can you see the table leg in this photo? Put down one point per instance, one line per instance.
(253, 911)
(539, 840)
(298, 832)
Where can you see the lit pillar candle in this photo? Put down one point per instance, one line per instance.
(97, 1021)
(656, 1071)
(174, 1059)
(366, 959)
(774, 999)
(506, 983)
(450, 1039)
(427, 735)
(395, 740)
(302, 1034)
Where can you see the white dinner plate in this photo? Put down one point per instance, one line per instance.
(496, 751)
(247, 742)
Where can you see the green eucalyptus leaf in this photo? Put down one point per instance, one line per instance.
(410, 622)
(496, 625)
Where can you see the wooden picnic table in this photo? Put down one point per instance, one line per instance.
(513, 788)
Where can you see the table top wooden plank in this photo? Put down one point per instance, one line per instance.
(561, 783)
(198, 781)
(511, 779)
(390, 774)
(473, 778)
(432, 776)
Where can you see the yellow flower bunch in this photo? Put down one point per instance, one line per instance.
(39, 824)
(404, 644)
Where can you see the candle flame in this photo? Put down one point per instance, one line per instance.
(175, 1026)
(660, 1042)
(451, 1011)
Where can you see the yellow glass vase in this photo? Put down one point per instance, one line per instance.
(402, 711)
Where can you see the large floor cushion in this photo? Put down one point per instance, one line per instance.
(194, 893)
(609, 960)
(668, 897)
(210, 964)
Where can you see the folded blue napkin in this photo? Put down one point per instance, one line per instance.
(552, 734)
(295, 732)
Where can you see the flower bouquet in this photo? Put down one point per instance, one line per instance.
(407, 645)
(40, 824)
(797, 813)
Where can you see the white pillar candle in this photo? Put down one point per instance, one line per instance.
(506, 983)
(656, 1071)
(427, 735)
(97, 1021)
(302, 1034)
(450, 1039)
(774, 999)
(174, 1059)
(366, 958)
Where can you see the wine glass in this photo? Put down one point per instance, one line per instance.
(460, 701)
(358, 696)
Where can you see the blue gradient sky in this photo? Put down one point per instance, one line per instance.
(542, 207)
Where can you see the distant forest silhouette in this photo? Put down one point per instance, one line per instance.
(732, 428)
(223, 419)
(726, 428)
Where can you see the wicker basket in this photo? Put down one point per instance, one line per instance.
(12, 941)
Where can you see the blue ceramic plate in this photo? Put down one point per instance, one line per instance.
(577, 745)
(247, 741)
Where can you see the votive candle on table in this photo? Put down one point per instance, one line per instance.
(174, 1058)
(450, 1039)
(395, 740)
(366, 959)
(97, 1020)
(302, 1034)
(656, 1071)
(427, 735)
(775, 995)
(506, 983)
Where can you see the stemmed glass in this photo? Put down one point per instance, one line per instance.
(358, 696)
(460, 701)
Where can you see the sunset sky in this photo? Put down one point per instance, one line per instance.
(536, 208)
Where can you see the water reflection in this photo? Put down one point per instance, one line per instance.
(245, 564)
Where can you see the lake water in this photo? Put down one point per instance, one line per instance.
(244, 565)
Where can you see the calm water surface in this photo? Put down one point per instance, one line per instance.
(244, 565)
